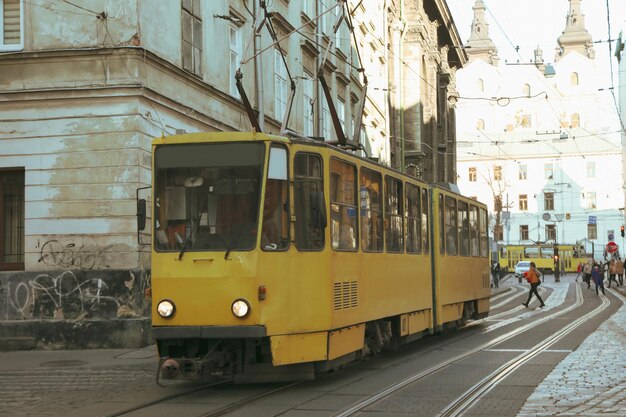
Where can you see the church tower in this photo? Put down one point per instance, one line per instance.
(575, 36)
(480, 45)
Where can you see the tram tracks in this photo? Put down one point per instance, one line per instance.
(486, 384)
(456, 408)
(203, 413)
(475, 393)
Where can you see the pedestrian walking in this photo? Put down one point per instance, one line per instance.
(495, 273)
(612, 272)
(579, 270)
(532, 276)
(587, 272)
(598, 277)
(619, 266)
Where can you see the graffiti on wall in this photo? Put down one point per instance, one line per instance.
(78, 285)
(75, 295)
(55, 254)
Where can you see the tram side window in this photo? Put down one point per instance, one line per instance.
(424, 222)
(309, 201)
(531, 253)
(452, 233)
(371, 187)
(474, 239)
(547, 252)
(442, 226)
(413, 219)
(464, 249)
(484, 237)
(343, 209)
(393, 215)
(275, 230)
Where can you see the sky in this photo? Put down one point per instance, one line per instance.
(528, 23)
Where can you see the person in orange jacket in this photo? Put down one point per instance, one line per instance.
(532, 276)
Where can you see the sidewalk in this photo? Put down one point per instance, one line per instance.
(591, 381)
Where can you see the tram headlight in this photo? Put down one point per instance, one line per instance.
(166, 309)
(240, 308)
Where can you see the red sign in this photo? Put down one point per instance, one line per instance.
(611, 247)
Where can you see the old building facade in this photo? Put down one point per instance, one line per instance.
(539, 142)
(84, 87)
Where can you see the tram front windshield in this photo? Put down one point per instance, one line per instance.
(207, 196)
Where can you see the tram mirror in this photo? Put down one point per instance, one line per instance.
(141, 214)
(318, 210)
(193, 182)
(278, 164)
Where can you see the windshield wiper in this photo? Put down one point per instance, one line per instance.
(186, 242)
(231, 242)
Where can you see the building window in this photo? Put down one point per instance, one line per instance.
(341, 113)
(472, 174)
(523, 202)
(307, 8)
(591, 169)
(523, 232)
(575, 120)
(235, 57)
(589, 200)
(550, 232)
(497, 173)
(548, 171)
(548, 201)
(280, 86)
(325, 120)
(339, 42)
(11, 220)
(11, 25)
(308, 113)
(192, 36)
(480, 124)
(526, 90)
(523, 172)
(592, 231)
(573, 78)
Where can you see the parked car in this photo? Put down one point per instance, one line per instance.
(521, 268)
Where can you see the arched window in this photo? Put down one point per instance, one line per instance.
(480, 85)
(526, 90)
(575, 120)
(573, 78)
(480, 124)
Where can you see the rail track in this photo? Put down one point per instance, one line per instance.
(455, 408)
(472, 395)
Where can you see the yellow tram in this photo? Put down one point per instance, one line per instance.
(570, 255)
(275, 258)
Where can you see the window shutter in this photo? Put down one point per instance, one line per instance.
(11, 19)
